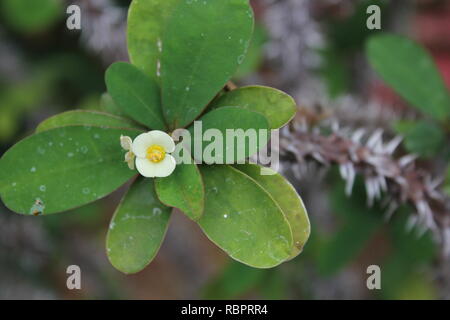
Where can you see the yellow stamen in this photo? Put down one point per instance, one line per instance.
(156, 153)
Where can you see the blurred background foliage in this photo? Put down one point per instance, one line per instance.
(313, 49)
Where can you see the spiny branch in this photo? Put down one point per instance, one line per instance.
(392, 180)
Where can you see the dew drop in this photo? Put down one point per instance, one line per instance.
(40, 150)
(157, 211)
(86, 190)
(42, 188)
(33, 169)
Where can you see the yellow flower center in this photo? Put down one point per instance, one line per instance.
(156, 153)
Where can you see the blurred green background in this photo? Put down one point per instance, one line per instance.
(314, 50)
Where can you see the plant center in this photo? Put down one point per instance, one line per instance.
(156, 153)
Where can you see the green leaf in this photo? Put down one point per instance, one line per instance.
(136, 94)
(288, 200)
(87, 118)
(358, 225)
(31, 16)
(203, 45)
(423, 138)
(255, 53)
(278, 107)
(63, 168)
(137, 228)
(447, 182)
(108, 105)
(411, 71)
(243, 219)
(231, 118)
(184, 190)
(146, 23)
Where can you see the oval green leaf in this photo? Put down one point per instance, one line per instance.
(108, 105)
(287, 198)
(411, 71)
(86, 118)
(136, 94)
(422, 137)
(184, 190)
(137, 228)
(278, 107)
(146, 23)
(247, 125)
(243, 219)
(63, 168)
(203, 45)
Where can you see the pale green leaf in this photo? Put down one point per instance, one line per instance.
(278, 107)
(184, 190)
(146, 23)
(137, 228)
(243, 219)
(244, 123)
(203, 45)
(287, 198)
(63, 168)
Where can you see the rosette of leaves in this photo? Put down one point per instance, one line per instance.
(182, 52)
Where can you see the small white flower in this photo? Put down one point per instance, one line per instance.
(152, 154)
(127, 144)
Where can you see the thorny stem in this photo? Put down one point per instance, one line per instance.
(392, 179)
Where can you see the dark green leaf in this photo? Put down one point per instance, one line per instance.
(87, 118)
(203, 45)
(63, 168)
(137, 228)
(243, 219)
(136, 94)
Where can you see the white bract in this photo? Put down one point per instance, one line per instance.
(127, 143)
(151, 151)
